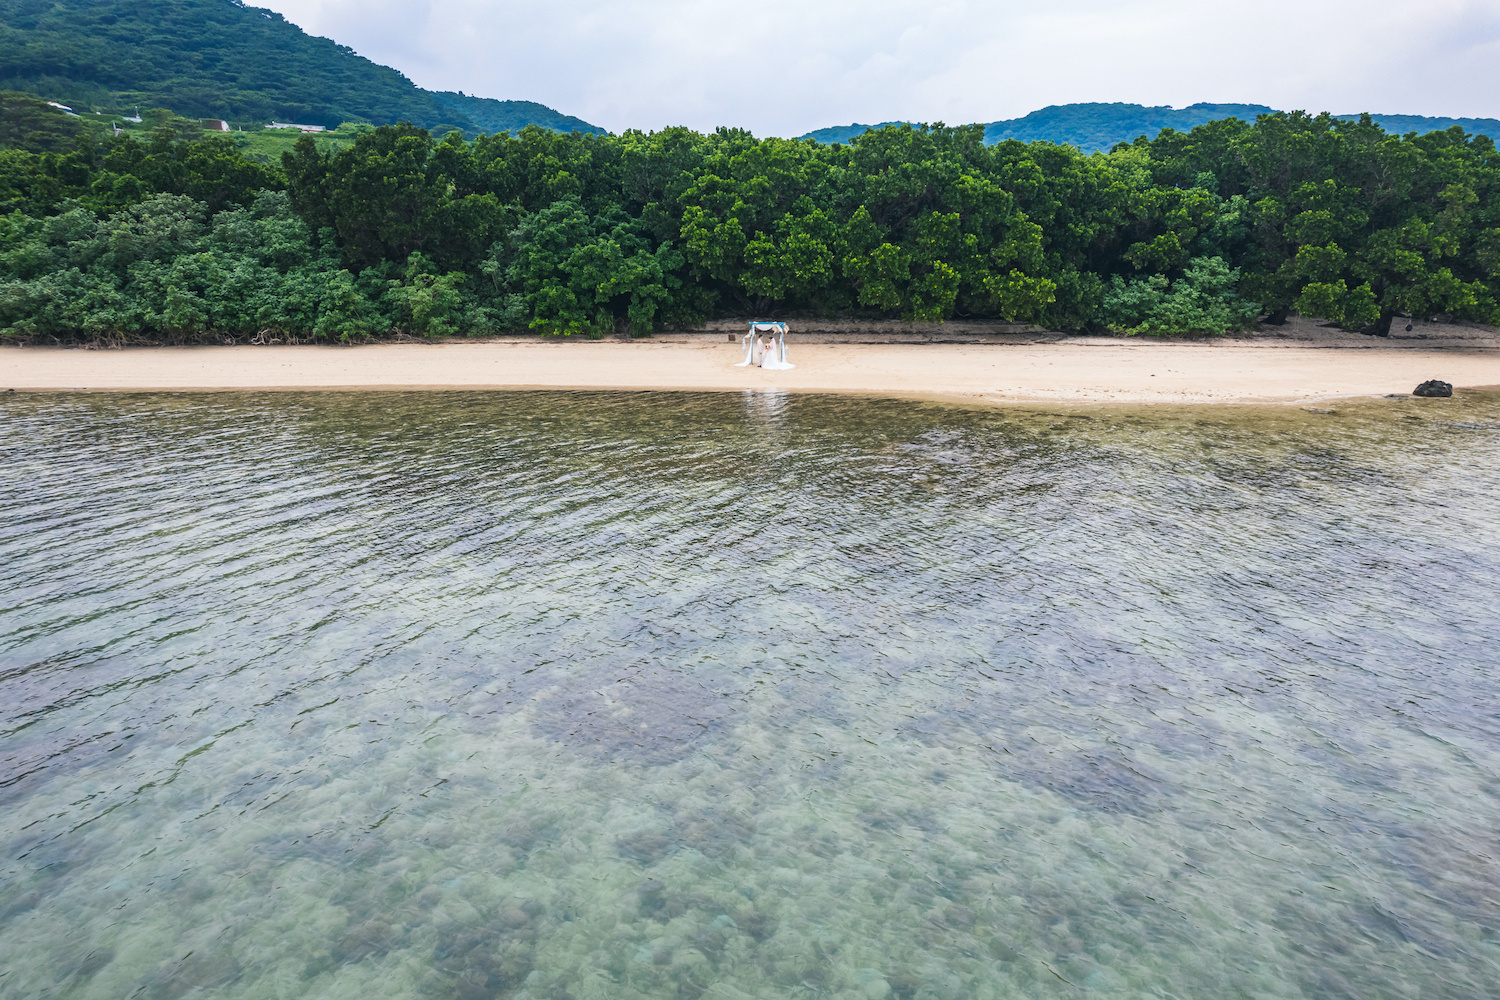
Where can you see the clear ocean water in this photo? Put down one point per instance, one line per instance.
(552, 695)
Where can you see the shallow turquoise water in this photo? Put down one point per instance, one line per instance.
(614, 695)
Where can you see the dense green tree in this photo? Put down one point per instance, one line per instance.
(1357, 226)
(574, 274)
(179, 236)
(1203, 301)
(395, 192)
(30, 123)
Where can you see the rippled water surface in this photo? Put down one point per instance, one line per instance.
(614, 695)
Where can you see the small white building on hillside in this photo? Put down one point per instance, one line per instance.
(304, 128)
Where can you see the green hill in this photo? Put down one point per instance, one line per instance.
(1100, 126)
(1402, 124)
(1093, 127)
(1087, 126)
(843, 133)
(494, 116)
(27, 122)
(220, 59)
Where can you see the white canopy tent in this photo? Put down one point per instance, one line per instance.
(758, 354)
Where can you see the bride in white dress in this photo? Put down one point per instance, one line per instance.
(770, 356)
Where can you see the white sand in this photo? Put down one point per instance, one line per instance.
(1137, 372)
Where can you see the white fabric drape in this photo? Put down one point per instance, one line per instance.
(772, 355)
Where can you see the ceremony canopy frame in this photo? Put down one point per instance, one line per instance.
(752, 343)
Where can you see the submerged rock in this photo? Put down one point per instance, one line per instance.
(1433, 388)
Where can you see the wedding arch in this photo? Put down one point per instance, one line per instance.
(757, 352)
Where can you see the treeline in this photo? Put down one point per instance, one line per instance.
(1201, 232)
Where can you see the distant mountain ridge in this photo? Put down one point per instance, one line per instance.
(494, 116)
(223, 59)
(1099, 126)
(843, 133)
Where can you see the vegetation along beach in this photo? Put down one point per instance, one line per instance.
(636, 540)
(1232, 224)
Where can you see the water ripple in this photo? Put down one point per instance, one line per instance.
(564, 694)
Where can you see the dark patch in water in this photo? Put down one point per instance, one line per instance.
(373, 937)
(656, 716)
(197, 972)
(714, 832)
(1105, 781)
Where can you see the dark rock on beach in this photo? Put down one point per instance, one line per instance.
(1433, 389)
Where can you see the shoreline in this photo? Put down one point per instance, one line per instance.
(1097, 372)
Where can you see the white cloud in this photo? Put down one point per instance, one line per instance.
(783, 67)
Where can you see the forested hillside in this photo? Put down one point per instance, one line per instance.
(27, 122)
(221, 59)
(1100, 126)
(844, 133)
(1198, 232)
(1401, 124)
(489, 115)
(1093, 127)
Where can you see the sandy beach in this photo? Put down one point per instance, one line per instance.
(1121, 372)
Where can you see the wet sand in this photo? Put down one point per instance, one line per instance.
(1125, 372)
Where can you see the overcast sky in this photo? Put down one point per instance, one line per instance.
(784, 67)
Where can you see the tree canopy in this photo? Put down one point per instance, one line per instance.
(1198, 232)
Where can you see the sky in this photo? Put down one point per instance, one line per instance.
(785, 67)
